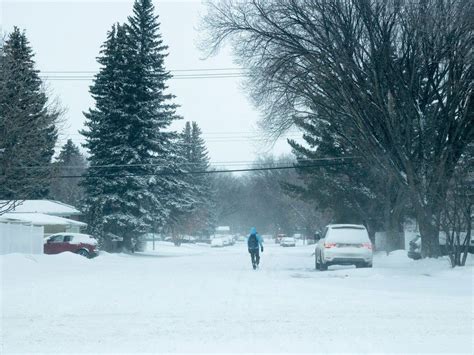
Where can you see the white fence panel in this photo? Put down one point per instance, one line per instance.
(20, 238)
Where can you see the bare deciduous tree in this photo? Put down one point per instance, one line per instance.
(456, 217)
(393, 79)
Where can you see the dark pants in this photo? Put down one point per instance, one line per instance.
(255, 256)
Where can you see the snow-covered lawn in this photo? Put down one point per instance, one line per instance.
(200, 299)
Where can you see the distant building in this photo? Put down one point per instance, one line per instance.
(223, 230)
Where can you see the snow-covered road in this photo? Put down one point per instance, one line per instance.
(198, 299)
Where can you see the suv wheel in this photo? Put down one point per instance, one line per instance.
(83, 252)
(322, 265)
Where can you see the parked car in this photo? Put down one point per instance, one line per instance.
(279, 237)
(414, 246)
(176, 240)
(222, 240)
(344, 244)
(188, 239)
(82, 244)
(288, 242)
(218, 242)
(228, 240)
(313, 239)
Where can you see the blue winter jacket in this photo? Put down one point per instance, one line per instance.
(259, 239)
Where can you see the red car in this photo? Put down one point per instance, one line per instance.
(82, 244)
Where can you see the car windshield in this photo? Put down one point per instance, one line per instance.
(56, 239)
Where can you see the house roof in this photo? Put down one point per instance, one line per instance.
(50, 207)
(39, 219)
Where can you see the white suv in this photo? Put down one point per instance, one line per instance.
(343, 244)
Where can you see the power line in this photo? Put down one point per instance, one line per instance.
(207, 172)
(171, 78)
(228, 140)
(187, 164)
(219, 132)
(222, 163)
(171, 70)
(209, 73)
(217, 135)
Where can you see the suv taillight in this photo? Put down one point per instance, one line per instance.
(329, 245)
(367, 246)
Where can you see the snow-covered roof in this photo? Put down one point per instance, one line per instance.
(50, 207)
(40, 219)
(223, 229)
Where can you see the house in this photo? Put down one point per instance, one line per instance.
(53, 216)
(49, 207)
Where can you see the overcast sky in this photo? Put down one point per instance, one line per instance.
(67, 35)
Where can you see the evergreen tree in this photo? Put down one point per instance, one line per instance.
(134, 180)
(206, 211)
(202, 218)
(28, 132)
(103, 134)
(154, 105)
(186, 141)
(70, 162)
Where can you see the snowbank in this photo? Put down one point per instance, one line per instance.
(169, 249)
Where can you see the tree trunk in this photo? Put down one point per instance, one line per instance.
(127, 244)
(429, 231)
(394, 203)
(394, 232)
(465, 250)
(467, 240)
(428, 211)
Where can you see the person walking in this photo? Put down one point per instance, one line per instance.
(254, 244)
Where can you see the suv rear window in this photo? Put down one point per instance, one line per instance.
(347, 235)
(349, 227)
